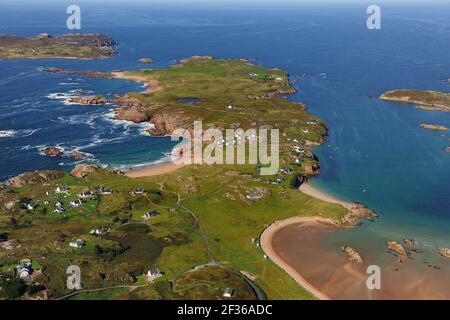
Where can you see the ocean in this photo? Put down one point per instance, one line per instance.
(375, 154)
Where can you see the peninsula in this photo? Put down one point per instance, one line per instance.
(191, 233)
(68, 46)
(425, 100)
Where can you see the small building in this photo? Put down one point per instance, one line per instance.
(311, 122)
(86, 194)
(154, 273)
(286, 170)
(62, 189)
(77, 203)
(305, 130)
(77, 244)
(99, 231)
(30, 206)
(48, 193)
(59, 210)
(279, 78)
(137, 191)
(24, 269)
(58, 204)
(150, 215)
(105, 191)
(230, 107)
(228, 293)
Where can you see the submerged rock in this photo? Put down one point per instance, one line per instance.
(352, 254)
(78, 155)
(409, 241)
(396, 247)
(82, 170)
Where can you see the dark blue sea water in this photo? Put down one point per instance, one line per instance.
(376, 153)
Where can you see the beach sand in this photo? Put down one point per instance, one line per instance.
(154, 170)
(294, 244)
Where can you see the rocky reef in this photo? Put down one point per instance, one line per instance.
(89, 100)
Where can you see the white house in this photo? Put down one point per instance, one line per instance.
(78, 244)
(86, 194)
(228, 293)
(30, 206)
(24, 269)
(77, 203)
(105, 191)
(62, 189)
(99, 231)
(154, 273)
(59, 210)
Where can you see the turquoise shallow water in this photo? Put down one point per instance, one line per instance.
(376, 153)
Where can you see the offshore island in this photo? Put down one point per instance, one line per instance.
(68, 46)
(171, 232)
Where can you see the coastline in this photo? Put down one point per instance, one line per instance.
(268, 234)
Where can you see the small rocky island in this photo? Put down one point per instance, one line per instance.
(68, 46)
(425, 100)
(435, 127)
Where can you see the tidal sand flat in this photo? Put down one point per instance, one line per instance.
(332, 275)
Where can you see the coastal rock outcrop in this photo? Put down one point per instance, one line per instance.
(354, 215)
(447, 149)
(396, 247)
(35, 178)
(89, 100)
(82, 170)
(53, 152)
(133, 114)
(352, 254)
(445, 252)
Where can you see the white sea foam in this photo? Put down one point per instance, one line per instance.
(17, 133)
(7, 133)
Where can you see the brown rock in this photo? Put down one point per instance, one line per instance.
(78, 155)
(35, 178)
(53, 152)
(352, 254)
(396, 247)
(409, 242)
(445, 252)
(82, 170)
(447, 149)
(131, 114)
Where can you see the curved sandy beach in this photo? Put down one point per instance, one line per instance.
(266, 245)
(268, 233)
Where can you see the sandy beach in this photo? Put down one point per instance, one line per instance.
(152, 84)
(267, 236)
(266, 245)
(157, 170)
